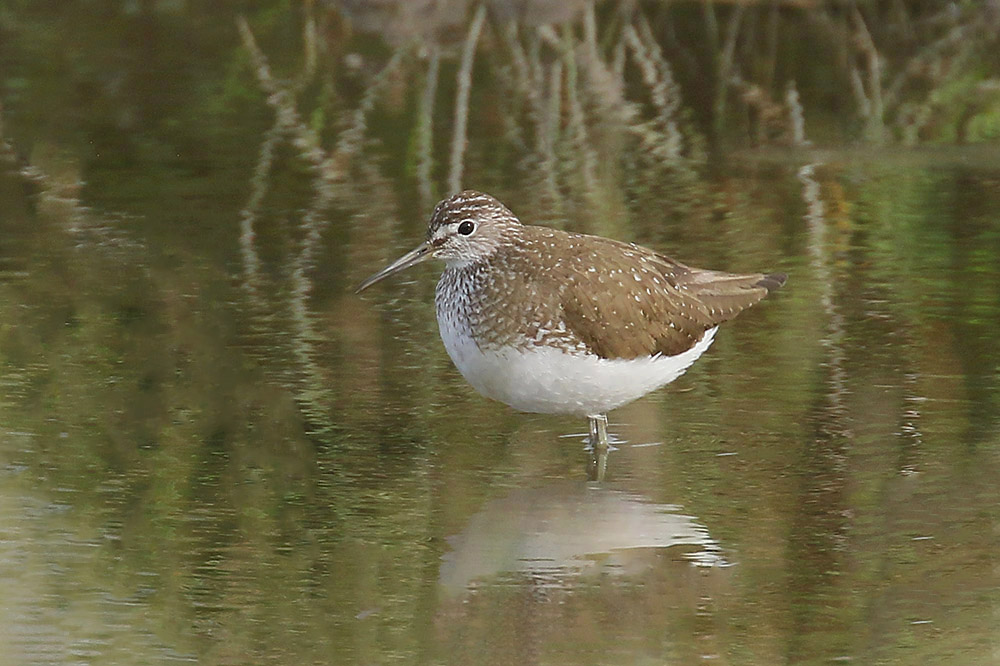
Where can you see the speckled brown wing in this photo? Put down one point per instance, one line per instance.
(631, 302)
(727, 294)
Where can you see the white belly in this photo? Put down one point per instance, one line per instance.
(550, 381)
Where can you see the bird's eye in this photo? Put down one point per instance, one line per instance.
(466, 227)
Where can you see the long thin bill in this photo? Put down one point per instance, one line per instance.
(418, 254)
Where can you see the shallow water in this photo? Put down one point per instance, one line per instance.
(213, 451)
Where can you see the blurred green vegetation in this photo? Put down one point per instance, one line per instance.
(556, 84)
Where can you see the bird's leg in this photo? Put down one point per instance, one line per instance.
(598, 432)
(598, 447)
(597, 466)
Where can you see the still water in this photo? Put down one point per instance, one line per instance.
(212, 451)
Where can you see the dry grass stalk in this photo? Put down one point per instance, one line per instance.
(462, 101)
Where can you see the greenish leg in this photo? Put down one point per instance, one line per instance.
(599, 432)
(598, 447)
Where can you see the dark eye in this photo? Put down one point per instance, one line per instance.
(466, 227)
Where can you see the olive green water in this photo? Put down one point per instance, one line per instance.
(212, 451)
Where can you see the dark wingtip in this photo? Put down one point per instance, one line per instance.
(772, 281)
